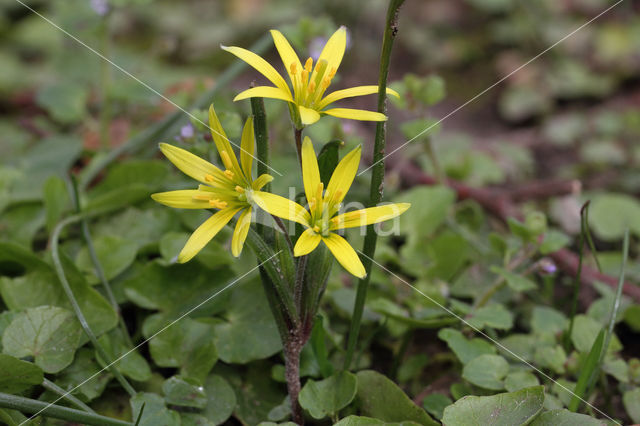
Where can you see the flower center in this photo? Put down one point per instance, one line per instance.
(308, 86)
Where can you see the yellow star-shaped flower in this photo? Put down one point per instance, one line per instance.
(308, 82)
(230, 191)
(320, 220)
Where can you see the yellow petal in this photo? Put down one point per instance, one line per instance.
(286, 52)
(259, 64)
(368, 216)
(345, 254)
(241, 231)
(192, 165)
(261, 181)
(247, 145)
(281, 207)
(308, 116)
(356, 114)
(351, 92)
(265, 92)
(307, 242)
(333, 51)
(310, 170)
(343, 176)
(181, 199)
(205, 233)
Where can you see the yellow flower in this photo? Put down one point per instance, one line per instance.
(320, 220)
(230, 191)
(309, 82)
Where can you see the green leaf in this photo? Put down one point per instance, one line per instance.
(411, 367)
(221, 400)
(114, 253)
(584, 333)
(152, 173)
(487, 371)
(184, 392)
(381, 398)
(133, 365)
(465, 349)
(494, 316)
(187, 344)
(41, 287)
(369, 421)
(548, 320)
(327, 397)
(517, 380)
(435, 403)
(117, 199)
(249, 331)
(552, 357)
(155, 412)
(429, 208)
(553, 241)
(56, 200)
(631, 400)
(65, 102)
(610, 214)
(565, 418)
(516, 281)
(632, 317)
(212, 256)
(588, 371)
(155, 287)
(17, 375)
(319, 347)
(75, 376)
(328, 159)
(508, 409)
(48, 333)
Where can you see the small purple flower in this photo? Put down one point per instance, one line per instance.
(187, 131)
(101, 7)
(546, 266)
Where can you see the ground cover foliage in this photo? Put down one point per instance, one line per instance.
(498, 222)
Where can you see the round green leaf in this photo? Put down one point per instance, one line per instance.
(327, 397)
(487, 371)
(184, 392)
(17, 375)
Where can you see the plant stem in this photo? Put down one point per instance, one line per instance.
(298, 137)
(576, 283)
(57, 263)
(32, 406)
(292, 374)
(49, 385)
(377, 176)
(262, 150)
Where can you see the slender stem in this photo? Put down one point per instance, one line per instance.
(292, 374)
(377, 177)
(283, 228)
(105, 83)
(57, 263)
(49, 385)
(32, 406)
(399, 356)
(75, 195)
(299, 284)
(298, 136)
(165, 128)
(576, 282)
(262, 144)
(501, 282)
(435, 162)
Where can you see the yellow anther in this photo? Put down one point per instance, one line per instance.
(229, 174)
(312, 87)
(316, 229)
(326, 82)
(312, 203)
(217, 204)
(332, 73)
(308, 64)
(293, 68)
(319, 191)
(222, 204)
(208, 178)
(337, 195)
(305, 74)
(239, 189)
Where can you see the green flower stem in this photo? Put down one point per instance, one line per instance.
(298, 137)
(50, 386)
(57, 263)
(262, 151)
(299, 283)
(584, 229)
(32, 406)
(96, 263)
(169, 125)
(377, 177)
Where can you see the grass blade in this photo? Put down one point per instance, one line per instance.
(589, 370)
